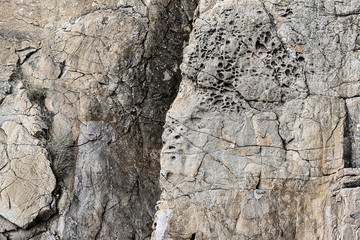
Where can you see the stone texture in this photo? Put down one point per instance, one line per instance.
(352, 136)
(93, 187)
(261, 141)
(27, 181)
(108, 72)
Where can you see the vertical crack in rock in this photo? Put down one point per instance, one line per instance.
(351, 133)
(260, 143)
(348, 141)
(108, 72)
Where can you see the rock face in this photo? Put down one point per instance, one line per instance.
(95, 80)
(262, 139)
(261, 142)
(27, 181)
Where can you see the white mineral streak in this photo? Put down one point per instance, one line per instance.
(162, 223)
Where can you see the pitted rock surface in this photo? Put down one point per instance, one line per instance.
(261, 141)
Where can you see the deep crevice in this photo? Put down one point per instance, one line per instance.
(348, 140)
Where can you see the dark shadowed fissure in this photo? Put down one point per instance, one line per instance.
(125, 188)
(104, 77)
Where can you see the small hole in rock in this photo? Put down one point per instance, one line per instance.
(287, 72)
(169, 174)
(228, 85)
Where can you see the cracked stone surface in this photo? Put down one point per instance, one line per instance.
(262, 140)
(94, 201)
(108, 72)
(26, 179)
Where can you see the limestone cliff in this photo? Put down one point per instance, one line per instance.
(260, 141)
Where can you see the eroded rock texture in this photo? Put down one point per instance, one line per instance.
(96, 77)
(262, 139)
(260, 143)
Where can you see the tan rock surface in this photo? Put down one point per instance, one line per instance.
(111, 65)
(26, 179)
(260, 142)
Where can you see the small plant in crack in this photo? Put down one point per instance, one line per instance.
(60, 146)
(35, 93)
(17, 74)
(61, 151)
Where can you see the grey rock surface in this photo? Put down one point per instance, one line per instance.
(26, 179)
(105, 71)
(261, 141)
(94, 202)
